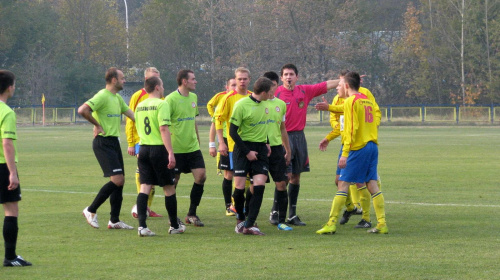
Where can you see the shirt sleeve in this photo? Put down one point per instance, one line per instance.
(221, 113)
(350, 126)
(8, 128)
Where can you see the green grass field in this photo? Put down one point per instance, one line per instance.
(440, 186)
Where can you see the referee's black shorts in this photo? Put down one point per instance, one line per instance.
(109, 155)
(5, 194)
(152, 162)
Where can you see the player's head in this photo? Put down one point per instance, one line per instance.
(150, 72)
(186, 78)
(289, 75)
(271, 75)
(343, 73)
(262, 87)
(115, 77)
(230, 84)
(153, 84)
(242, 76)
(353, 80)
(7, 82)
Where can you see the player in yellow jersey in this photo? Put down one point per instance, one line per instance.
(222, 161)
(223, 115)
(358, 199)
(133, 138)
(359, 158)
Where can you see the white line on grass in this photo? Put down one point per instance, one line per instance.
(307, 199)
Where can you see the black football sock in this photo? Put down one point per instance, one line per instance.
(10, 230)
(115, 199)
(293, 194)
(196, 194)
(171, 206)
(254, 205)
(102, 195)
(142, 209)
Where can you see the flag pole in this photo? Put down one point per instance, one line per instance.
(43, 109)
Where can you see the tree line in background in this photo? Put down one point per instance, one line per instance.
(411, 51)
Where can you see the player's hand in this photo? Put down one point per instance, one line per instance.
(323, 144)
(268, 150)
(171, 161)
(131, 151)
(223, 149)
(342, 162)
(362, 76)
(98, 130)
(322, 106)
(288, 158)
(14, 182)
(212, 152)
(252, 156)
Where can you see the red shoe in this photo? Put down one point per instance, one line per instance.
(153, 214)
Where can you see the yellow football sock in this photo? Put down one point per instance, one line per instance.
(379, 206)
(348, 202)
(137, 181)
(151, 196)
(337, 204)
(364, 200)
(354, 194)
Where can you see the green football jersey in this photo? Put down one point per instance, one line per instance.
(277, 112)
(107, 109)
(150, 114)
(251, 117)
(183, 111)
(7, 129)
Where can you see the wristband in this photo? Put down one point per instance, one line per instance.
(211, 144)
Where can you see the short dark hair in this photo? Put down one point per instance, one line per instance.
(183, 74)
(229, 79)
(289, 66)
(7, 79)
(271, 75)
(344, 72)
(353, 80)
(262, 84)
(151, 83)
(110, 74)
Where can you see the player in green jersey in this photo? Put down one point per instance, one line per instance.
(10, 190)
(104, 111)
(249, 130)
(156, 158)
(183, 105)
(280, 154)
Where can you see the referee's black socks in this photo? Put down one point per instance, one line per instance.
(227, 186)
(293, 194)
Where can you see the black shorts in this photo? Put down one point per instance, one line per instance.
(109, 155)
(277, 164)
(5, 194)
(152, 162)
(224, 162)
(300, 159)
(185, 162)
(242, 166)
